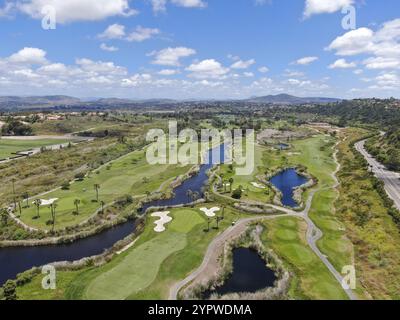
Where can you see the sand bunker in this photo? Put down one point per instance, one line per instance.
(47, 202)
(210, 212)
(164, 219)
(258, 185)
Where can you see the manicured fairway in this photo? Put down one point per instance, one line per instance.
(9, 147)
(129, 175)
(312, 280)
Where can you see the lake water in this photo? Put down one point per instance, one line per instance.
(250, 274)
(286, 181)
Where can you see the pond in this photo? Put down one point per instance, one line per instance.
(286, 181)
(250, 274)
(282, 146)
(14, 260)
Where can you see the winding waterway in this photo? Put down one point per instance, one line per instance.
(14, 260)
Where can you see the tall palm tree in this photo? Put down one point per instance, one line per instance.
(231, 183)
(37, 203)
(4, 216)
(53, 207)
(77, 202)
(102, 203)
(96, 188)
(13, 189)
(25, 196)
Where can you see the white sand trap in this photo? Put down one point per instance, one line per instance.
(164, 219)
(210, 212)
(258, 185)
(47, 202)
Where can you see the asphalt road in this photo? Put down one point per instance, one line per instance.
(390, 178)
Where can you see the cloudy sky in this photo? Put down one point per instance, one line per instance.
(200, 48)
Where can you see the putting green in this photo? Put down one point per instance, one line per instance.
(141, 265)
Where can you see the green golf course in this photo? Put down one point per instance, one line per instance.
(8, 147)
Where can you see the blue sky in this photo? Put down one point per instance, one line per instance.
(200, 48)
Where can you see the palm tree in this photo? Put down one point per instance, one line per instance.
(208, 224)
(96, 188)
(19, 208)
(13, 189)
(4, 216)
(77, 203)
(102, 203)
(223, 212)
(37, 203)
(25, 196)
(231, 183)
(53, 207)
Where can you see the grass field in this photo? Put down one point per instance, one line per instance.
(8, 147)
(129, 175)
(145, 271)
(250, 192)
(312, 280)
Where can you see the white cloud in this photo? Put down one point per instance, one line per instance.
(6, 10)
(358, 71)
(141, 34)
(383, 45)
(263, 69)
(248, 74)
(100, 67)
(105, 47)
(77, 10)
(190, 3)
(29, 56)
(209, 68)
(114, 31)
(306, 61)
(342, 64)
(353, 42)
(243, 64)
(168, 72)
(313, 7)
(159, 5)
(171, 56)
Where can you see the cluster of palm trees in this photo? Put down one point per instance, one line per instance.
(218, 219)
(226, 182)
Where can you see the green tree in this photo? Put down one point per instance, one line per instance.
(10, 290)
(37, 203)
(96, 188)
(25, 196)
(4, 216)
(77, 202)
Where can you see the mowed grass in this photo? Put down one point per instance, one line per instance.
(311, 279)
(250, 192)
(145, 271)
(317, 155)
(8, 147)
(128, 175)
(140, 267)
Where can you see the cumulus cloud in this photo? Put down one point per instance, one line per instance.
(105, 47)
(114, 31)
(171, 56)
(77, 10)
(305, 61)
(190, 3)
(263, 69)
(342, 64)
(168, 72)
(140, 34)
(209, 68)
(29, 56)
(240, 64)
(313, 7)
(382, 45)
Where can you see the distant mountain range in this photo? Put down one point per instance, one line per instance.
(290, 100)
(30, 102)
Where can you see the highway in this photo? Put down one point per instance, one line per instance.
(391, 179)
